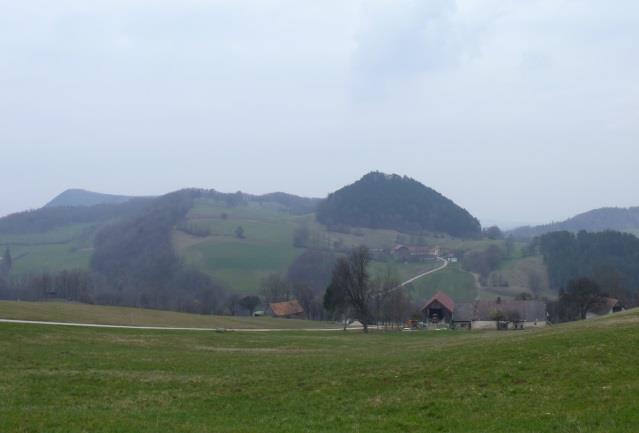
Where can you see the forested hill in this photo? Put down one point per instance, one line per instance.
(81, 197)
(379, 200)
(620, 219)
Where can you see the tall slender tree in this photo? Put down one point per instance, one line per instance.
(7, 263)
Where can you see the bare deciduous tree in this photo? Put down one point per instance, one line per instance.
(350, 285)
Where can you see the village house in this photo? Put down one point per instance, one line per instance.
(499, 314)
(288, 309)
(415, 253)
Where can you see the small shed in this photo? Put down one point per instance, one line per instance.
(438, 309)
(287, 309)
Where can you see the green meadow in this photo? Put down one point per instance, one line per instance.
(573, 378)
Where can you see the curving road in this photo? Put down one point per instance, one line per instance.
(432, 271)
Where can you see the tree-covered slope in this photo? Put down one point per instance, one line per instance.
(379, 200)
(610, 258)
(610, 218)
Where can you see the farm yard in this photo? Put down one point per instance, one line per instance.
(577, 377)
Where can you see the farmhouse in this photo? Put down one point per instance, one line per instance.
(288, 309)
(503, 314)
(438, 309)
(415, 253)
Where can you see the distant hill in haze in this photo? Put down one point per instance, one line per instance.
(382, 201)
(81, 197)
(609, 218)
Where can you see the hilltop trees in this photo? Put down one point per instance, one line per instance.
(379, 200)
(493, 232)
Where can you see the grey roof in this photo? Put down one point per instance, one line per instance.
(529, 311)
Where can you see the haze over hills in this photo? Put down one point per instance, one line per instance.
(609, 218)
(150, 242)
(81, 197)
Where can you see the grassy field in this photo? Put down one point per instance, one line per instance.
(575, 378)
(240, 264)
(460, 285)
(67, 247)
(104, 315)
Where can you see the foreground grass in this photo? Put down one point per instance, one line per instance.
(103, 315)
(574, 378)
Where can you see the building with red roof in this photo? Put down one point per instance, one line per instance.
(438, 309)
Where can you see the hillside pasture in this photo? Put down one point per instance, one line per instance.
(67, 247)
(241, 264)
(456, 282)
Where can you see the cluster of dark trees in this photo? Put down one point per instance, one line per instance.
(306, 281)
(579, 297)
(484, 262)
(610, 259)
(352, 293)
(394, 202)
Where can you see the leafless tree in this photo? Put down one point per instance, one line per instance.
(350, 285)
(275, 288)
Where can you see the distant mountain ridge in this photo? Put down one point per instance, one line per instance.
(608, 218)
(390, 201)
(82, 197)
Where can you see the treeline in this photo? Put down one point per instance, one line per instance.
(609, 258)
(74, 285)
(394, 202)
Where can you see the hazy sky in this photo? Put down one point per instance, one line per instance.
(517, 110)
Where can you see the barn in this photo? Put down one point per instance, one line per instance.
(438, 309)
(500, 314)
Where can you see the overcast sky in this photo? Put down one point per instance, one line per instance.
(517, 110)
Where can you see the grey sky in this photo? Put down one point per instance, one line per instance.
(517, 110)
